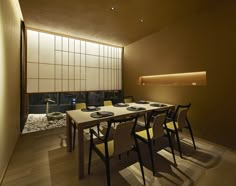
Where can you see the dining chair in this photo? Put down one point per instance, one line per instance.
(79, 106)
(107, 149)
(153, 132)
(128, 99)
(107, 103)
(177, 121)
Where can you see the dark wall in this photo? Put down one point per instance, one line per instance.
(203, 42)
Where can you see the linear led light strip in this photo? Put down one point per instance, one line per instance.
(190, 78)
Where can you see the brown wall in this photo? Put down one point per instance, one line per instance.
(9, 80)
(206, 41)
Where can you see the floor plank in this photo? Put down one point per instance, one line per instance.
(41, 158)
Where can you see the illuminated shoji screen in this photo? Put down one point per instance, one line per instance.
(61, 64)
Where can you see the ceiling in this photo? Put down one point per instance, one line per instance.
(95, 20)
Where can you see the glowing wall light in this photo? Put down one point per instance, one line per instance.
(179, 79)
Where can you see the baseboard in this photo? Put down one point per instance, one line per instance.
(186, 134)
(5, 169)
(3, 174)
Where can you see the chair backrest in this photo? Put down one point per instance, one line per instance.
(80, 105)
(181, 115)
(107, 103)
(123, 140)
(128, 99)
(157, 127)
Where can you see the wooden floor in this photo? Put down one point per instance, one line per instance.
(41, 158)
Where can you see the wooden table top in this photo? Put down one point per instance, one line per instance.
(84, 120)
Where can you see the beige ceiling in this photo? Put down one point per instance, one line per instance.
(94, 19)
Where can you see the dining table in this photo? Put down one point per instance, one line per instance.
(85, 118)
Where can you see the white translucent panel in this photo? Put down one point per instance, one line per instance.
(92, 61)
(113, 54)
(82, 60)
(105, 51)
(92, 81)
(58, 57)
(46, 48)
(92, 48)
(65, 59)
(116, 64)
(32, 46)
(105, 62)
(109, 63)
(82, 47)
(65, 71)
(71, 58)
(120, 79)
(58, 70)
(71, 72)
(109, 79)
(101, 50)
(32, 85)
(101, 79)
(77, 46)
(46, 71)
(74, 71)
(82, 85)
(65, 44)
(46, 85)
(58, 42)
(105, 81)
(77, 59)
(113, 63)
(77, 85)
(65, 85)
(114, 79)
(119, 64)
(109, 51)
(82, 73)
(32, 70)
(77, 72)
(120, 53)
(101, 63)
(71, 45)
(58, 86)
(71, 85)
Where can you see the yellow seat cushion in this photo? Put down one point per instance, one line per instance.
(143, 134)
(128, 100)
(170, 125)
(110, 144)
(80, 105)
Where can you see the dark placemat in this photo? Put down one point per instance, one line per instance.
(90, 109)
(101, 114)
(120, 105)
(157, 105)
(135, 108)
(142, 102)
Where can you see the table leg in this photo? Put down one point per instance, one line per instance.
(68, 133)
(80, 153)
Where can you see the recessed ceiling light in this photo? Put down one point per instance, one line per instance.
(112, 8)
(141, 20)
